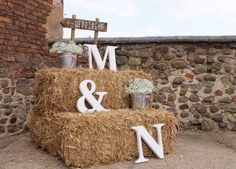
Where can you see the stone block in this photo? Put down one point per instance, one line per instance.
(121, 60)
(23, 86)
(161, 66)
(225, 100)
(2, 129)
(217, 118)
(184, 114)
(12, 128)
(133, 61)
(208, 125)
(194, 98)
(210, 77)
(148, 63)
(179, 64)
(200, 69)
(208, 99)
(201, 108)
(4, 83)
(178, 80)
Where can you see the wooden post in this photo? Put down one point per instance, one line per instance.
(96, 32)
(72, 37)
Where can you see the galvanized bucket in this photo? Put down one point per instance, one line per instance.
(68, 60)
(140, 101)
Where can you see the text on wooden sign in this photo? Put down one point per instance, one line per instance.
(84, 24)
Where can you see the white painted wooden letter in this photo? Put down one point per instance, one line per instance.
(88, 95)
(157, 148)
(94, 53)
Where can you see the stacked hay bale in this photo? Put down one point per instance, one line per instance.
(84, 140)
(57, 90)
(108, 137)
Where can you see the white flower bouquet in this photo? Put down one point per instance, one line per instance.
(139, 85)
(69, 46)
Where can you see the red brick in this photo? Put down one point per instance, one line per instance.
(5, 19)
(28, 6)
(18, 33)
(11, 43)
(24, 20)
(11, 5)
(12, 27)
(20, 13)
(21, 57)
(32, 27)
(9, 58)
(21, 24)
(36, 4)
(2, 36)
(30, 16)
(2, 25)
(24, 75)
(12, 37)
(3, 30)
(42, 29)
(3, 2)
(22, 35)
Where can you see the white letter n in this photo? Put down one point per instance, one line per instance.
(157, 148)
(110, 52)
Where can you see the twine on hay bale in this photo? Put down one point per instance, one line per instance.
(84, 140)
(57, 90)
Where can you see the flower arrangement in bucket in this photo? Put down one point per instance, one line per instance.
(68, 53)
(140, 90)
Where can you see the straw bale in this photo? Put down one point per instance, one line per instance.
(90, 139)
(57, 90)
(45, 132)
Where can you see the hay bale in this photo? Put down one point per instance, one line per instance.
(45, 132)
(57, 90)
(90, 139)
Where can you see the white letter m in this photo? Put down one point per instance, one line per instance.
(110, 52)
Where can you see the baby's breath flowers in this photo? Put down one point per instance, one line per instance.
(70, 46)
(139, 85)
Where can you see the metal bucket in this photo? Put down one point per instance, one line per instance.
(68, 60)
(140, 101)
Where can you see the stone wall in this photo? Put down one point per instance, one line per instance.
(195, 77)
(23, 50)
(15, 100)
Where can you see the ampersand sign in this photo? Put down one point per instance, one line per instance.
(88, 95)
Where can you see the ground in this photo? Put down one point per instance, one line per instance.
(194, 150)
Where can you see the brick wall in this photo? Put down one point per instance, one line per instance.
(23, 50)
(22, 36)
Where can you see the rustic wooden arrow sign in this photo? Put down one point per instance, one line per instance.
(84, 24)
(74, 23)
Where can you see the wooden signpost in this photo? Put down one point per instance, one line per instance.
(74, 23)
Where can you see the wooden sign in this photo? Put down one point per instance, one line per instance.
(74, 23)
(84, 24)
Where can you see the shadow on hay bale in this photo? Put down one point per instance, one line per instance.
(58, 89)
(84, 140)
